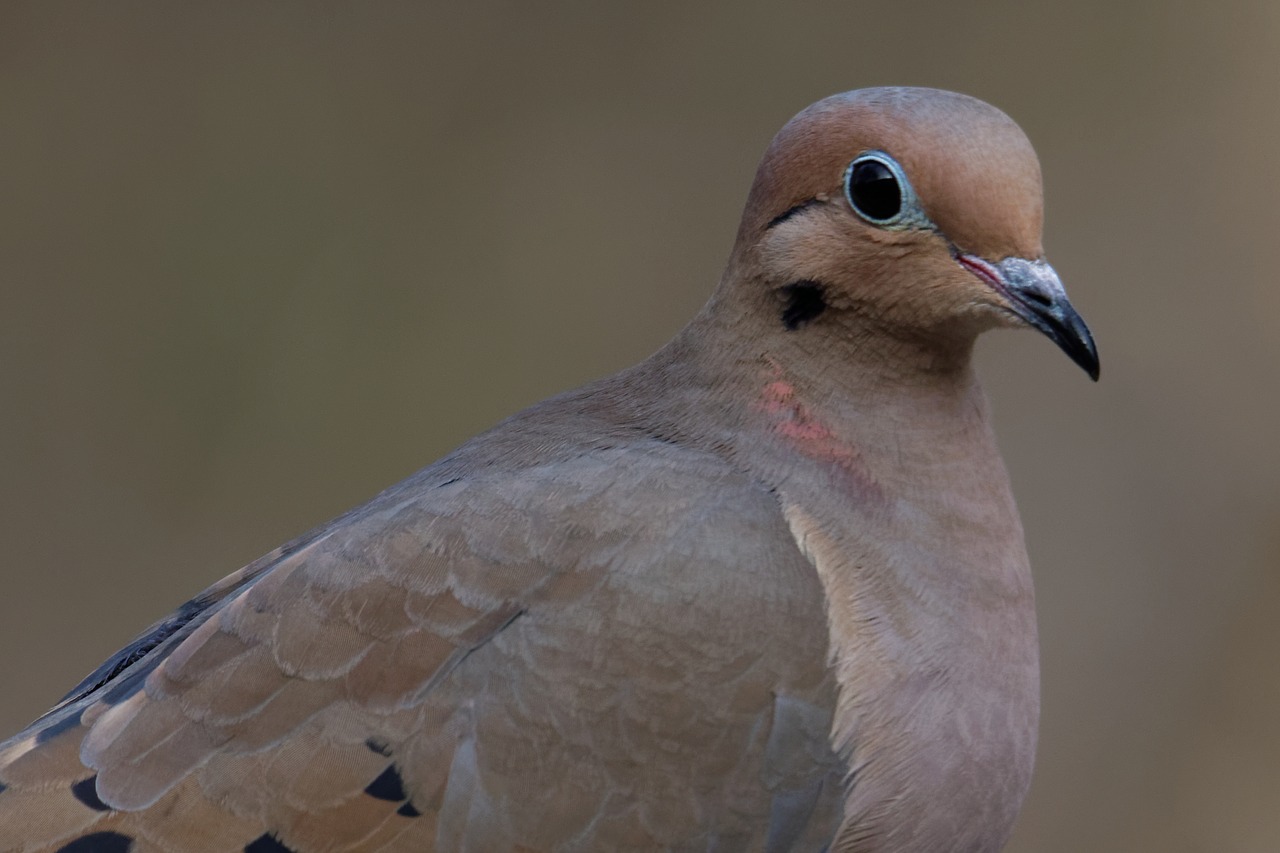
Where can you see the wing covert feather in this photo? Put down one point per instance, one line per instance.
(460, 667)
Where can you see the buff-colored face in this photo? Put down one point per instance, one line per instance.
(923, 204)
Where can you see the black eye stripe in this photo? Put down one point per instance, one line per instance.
(792, 211)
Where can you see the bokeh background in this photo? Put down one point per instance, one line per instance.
(258, 261)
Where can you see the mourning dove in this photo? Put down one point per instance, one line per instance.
(766, 590)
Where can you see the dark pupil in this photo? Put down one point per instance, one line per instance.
(874, 190)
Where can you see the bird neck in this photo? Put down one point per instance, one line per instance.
(734, 378)
(889, 478)
(890, 481)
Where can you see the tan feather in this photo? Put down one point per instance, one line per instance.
(765, 591)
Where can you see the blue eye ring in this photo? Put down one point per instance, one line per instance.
(877, 189)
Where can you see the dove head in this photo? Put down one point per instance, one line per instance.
(907, 215)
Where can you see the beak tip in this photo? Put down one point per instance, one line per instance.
(1035, 294)
(1039, 298)
(1087, 355)
(1079, 347)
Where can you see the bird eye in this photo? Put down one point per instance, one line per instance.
(879, 192)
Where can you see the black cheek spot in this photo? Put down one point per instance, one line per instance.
(407, 810)
(266, 843)
(379, 746)
(86, 791)
(98, 842)
(389, 786)
(804, 301)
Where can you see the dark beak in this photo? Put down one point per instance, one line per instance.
(1035, 294)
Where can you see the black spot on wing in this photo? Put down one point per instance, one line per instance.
(379, 746)
(86, 791)
(267, 843)
(407, 810)
(66, 723)
(803, 302)
(388, 786)
(99, 842)
(2, 787)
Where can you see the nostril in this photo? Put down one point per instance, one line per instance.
(1038, 296)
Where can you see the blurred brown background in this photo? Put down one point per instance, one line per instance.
(258, 261)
